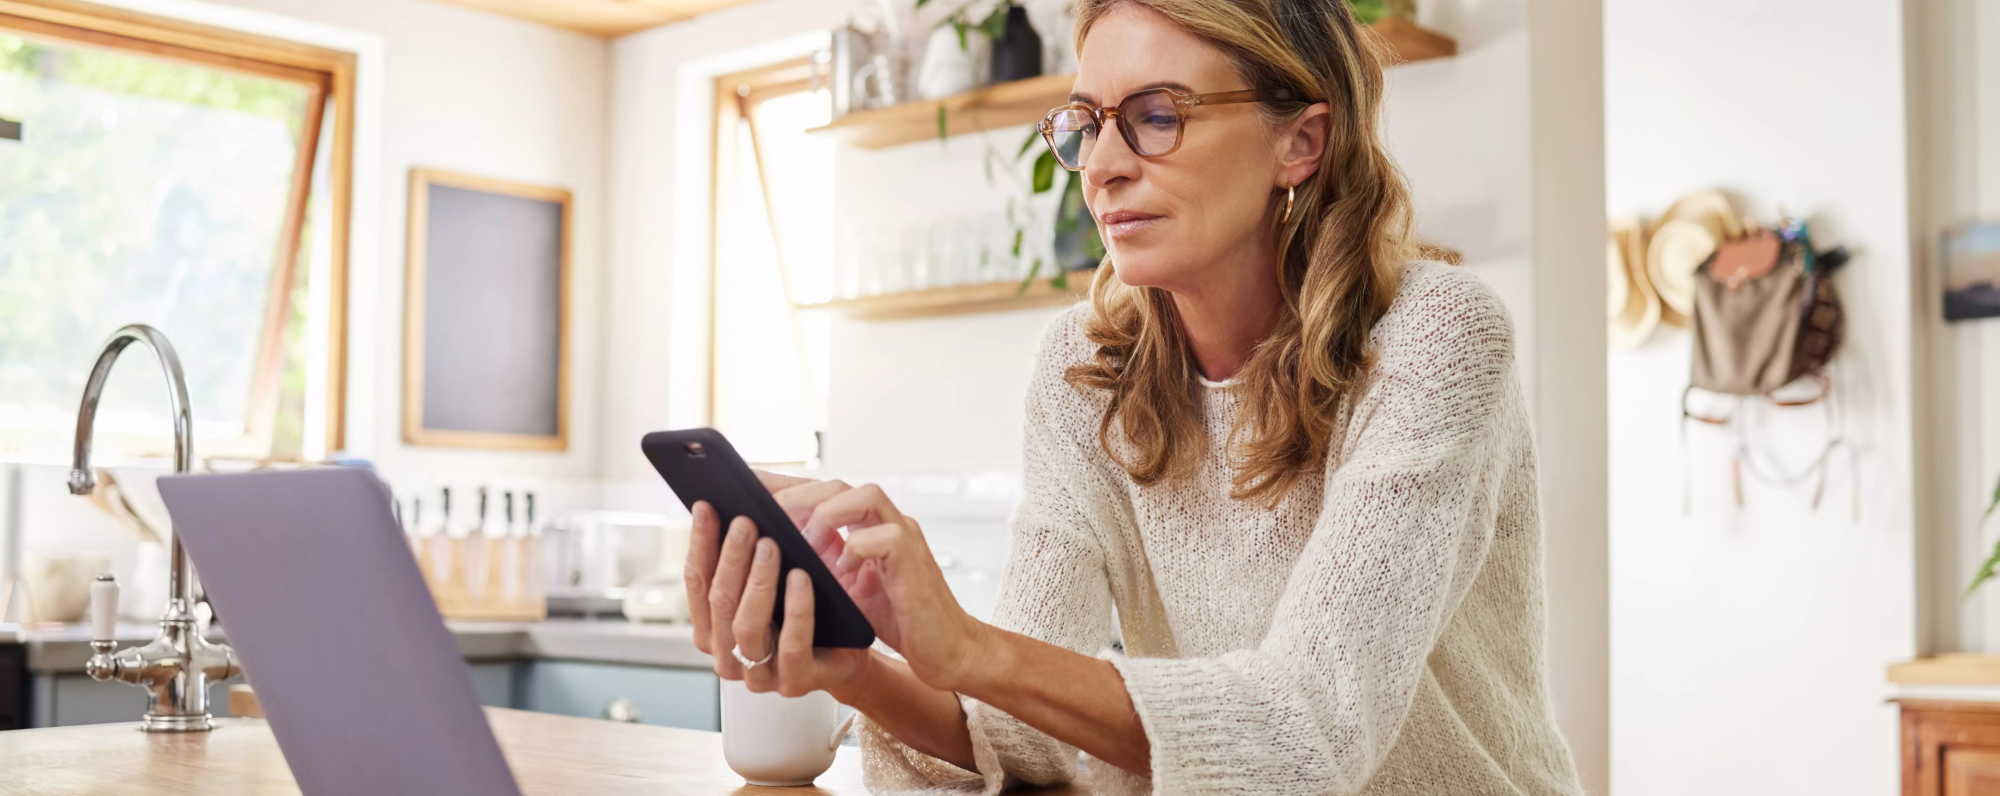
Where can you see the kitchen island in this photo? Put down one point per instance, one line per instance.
(549, 755)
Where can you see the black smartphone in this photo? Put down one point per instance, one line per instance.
(700, 465)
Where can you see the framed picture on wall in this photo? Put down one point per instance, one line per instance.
(1971, 255)
(486, 314)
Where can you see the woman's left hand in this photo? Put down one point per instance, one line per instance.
(886, 550)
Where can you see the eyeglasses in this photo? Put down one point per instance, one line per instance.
(1150, 121)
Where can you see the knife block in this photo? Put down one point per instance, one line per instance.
(489, 579)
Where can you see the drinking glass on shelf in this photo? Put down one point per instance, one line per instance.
(847, 262)
(897, 266)
(878, 267)
(917, 256)
(1006, 265)
(961, 252)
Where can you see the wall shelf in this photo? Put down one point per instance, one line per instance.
(958, 300)
(1026, 101)
(1001, 105)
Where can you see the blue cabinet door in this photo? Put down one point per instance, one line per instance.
(685, 698)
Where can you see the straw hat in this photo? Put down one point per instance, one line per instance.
(1684, 239)
(1633, 306)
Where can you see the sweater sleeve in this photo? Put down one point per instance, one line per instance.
(1053, 587)
(1407, 517)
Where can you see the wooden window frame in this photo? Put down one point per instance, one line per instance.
(331, 76)
(736, 96)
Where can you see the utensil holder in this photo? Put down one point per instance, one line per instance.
(502, 595)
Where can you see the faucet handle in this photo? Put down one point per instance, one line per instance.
(104, 609)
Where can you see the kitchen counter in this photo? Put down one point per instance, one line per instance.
(596, 641)
(549, 755)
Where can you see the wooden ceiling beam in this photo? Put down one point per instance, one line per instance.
(607, 19)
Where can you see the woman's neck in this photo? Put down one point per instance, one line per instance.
(1229, 313)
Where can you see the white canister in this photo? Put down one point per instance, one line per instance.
(948, 67)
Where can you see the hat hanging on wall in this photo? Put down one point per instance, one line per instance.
(1683, 240)
(1633, 306)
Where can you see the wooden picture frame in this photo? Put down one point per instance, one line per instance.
(419, 339)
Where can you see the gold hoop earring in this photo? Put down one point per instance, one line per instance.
(1288, 206)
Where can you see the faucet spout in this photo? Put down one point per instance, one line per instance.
(178, 666)
(81, 480)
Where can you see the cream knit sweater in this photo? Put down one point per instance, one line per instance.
(1379, 632)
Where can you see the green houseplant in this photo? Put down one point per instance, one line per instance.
(1992, 562)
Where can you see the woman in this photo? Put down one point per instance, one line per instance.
(1297, 469)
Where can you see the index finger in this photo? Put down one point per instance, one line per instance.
(778, 481)
(861, 506)
(704, 544)
(799, 501)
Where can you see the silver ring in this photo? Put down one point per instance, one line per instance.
(737, 650)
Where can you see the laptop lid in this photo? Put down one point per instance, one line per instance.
(361, 682)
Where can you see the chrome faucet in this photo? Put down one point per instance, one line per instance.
(176, 667)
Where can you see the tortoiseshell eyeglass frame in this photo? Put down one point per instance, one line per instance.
(1183, 103)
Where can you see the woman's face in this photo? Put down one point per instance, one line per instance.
(1170, 221)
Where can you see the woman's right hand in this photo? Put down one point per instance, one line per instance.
(732, 578)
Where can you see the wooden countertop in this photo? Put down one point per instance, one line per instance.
(550, 755)
(1951, 668)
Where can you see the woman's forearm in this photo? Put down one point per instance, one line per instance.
(926, 719)
(1075, 698)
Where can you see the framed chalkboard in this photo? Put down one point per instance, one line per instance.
(486, 314)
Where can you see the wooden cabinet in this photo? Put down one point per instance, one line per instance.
(1950, 748)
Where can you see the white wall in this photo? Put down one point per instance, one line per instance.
(496, 97)
(1956, 98)
(1724, 617)
(453, 89)
(1948, 186)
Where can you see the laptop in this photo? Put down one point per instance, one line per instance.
(362, 684)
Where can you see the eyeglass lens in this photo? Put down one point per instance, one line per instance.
(1150, 123)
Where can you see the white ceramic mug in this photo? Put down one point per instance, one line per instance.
(778, 740)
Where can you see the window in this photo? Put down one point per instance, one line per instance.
(773, 249)
(181, 177)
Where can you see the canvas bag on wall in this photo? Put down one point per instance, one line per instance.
(1765, 316)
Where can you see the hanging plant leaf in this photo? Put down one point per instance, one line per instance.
(920, 3)
(1034, 135)
(1018, 233)
(942, 134)
(1045, 172)
(1985, 572)
(1033, 271)
(1986, 569)
(958, 27)
(1060, 281)
(995, 24)
(1070, 209)
(1368, 12)
(1093, 242)
(1991, 504)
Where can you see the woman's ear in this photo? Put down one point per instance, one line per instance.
(1303, 144)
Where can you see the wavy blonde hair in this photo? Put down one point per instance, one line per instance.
(1339, 256)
